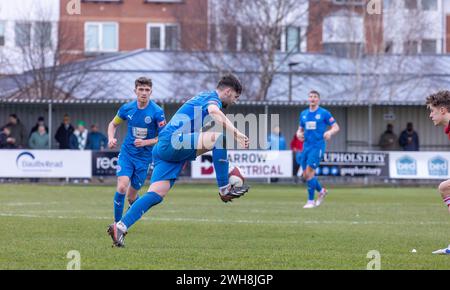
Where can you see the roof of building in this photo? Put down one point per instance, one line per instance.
(177, 76)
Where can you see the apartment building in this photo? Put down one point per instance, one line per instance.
(345, 27)
(25, 26)
(104, 26)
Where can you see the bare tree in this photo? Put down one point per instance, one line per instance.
(42, 65)
(254, 39)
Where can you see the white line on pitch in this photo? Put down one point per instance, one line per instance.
(199, 220)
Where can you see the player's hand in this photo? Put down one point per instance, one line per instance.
(300, 135)
(327, 136)
(140, 143)
(112, 143)
(242, 140)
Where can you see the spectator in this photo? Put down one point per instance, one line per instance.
(64, 132)
(18, 131)
(388, 140)
(409, 139)
(277, 140)
(96, 140)
(297, 148)
(6, 141)
(78, 140)
(40, 122)
(39, 139)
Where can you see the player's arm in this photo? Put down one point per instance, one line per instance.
(333, 131)
(112, 128)
(145, 143)
(221, 119)
(301, 133)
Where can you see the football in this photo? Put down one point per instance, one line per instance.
(236, 177)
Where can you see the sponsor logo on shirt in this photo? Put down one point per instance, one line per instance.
(311, 125)
(148, 120)
(140, 133)
(162, 124)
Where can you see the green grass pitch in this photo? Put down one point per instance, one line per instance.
(193, 229)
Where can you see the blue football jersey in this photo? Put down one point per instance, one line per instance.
(143, 124)
(315, 124)
(191, 117)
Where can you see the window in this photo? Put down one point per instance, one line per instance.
(429, 46)
(411, 4)
(344, 49)
(101, 37)
(43, 34)
(163, 36)
(2, 33)
(23, 34)
(171, 37)
(292, 39)
(429, 5)
(411, 47)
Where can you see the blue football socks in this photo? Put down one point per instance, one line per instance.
(220, 160)
(119, 200)
(140, 207)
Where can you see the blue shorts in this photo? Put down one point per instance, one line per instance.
(311, 157)
(134, 169)
(171, 154)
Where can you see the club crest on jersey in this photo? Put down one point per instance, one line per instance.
(148, 120)
(318, 116)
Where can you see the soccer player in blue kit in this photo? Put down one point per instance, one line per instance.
(145, 119)
(313, 129)
(182, 140)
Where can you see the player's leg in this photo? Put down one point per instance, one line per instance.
(313, 162)
(137, 180)
(309, 176)
(215, 142)
(155, 195)
(163, 179)
(123, 183)
(125, 170)
(157, 191)
(132, 195)
(444, 189)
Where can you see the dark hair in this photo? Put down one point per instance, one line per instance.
(143, 81)
(315, 93)
(230, 81)
(14, 116)
(439, 99)
(41, 119)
